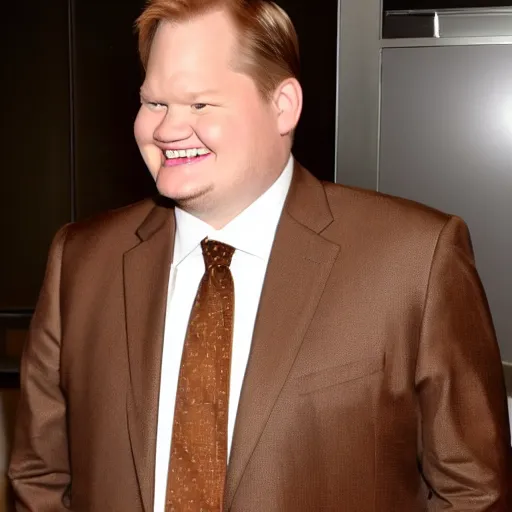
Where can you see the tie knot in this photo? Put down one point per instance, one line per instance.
(216, 253)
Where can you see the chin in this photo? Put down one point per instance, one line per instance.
(182, 193)
(180, 182)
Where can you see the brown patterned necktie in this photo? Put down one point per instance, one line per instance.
(197, 470)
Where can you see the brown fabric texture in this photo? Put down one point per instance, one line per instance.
(197, 469)
(374, 381)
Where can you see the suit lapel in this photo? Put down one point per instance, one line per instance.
(298, 269)
(146, 276)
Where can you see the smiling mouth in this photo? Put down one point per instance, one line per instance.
(171, 154)
(185, 156)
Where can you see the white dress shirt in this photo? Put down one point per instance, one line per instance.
(252, 234)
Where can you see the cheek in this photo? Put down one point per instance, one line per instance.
(228, 132)
(211, 131)
(143, 132)
(141, 129)
(258, 128)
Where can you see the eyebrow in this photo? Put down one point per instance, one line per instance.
(189, 94)
(204, 92)
(143, 94)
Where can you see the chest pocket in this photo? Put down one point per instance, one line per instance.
(340, 374)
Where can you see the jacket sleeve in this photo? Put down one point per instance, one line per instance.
(465, 454)
(39, 467)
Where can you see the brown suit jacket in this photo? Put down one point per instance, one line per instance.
(374, 381)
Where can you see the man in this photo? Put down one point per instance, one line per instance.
(360, 370)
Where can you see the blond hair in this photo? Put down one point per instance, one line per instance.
(268, 44)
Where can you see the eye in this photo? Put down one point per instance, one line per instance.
(199, 106)
(155, 106)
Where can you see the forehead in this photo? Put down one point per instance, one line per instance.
(202, 46)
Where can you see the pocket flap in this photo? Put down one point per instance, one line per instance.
(340, 374)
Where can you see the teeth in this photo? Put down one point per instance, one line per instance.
(185, 153)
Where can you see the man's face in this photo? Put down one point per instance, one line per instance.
(193, 101)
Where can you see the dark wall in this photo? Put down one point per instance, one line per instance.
(315, 140)
(70, 97)
(34, 178)
(107, 77)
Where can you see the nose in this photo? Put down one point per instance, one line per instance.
(175, 126)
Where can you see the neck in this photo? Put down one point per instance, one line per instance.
(216, 218)
(219, 215)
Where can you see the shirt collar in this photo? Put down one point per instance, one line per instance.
(252, 231)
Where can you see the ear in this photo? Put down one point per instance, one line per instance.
(288, 102)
